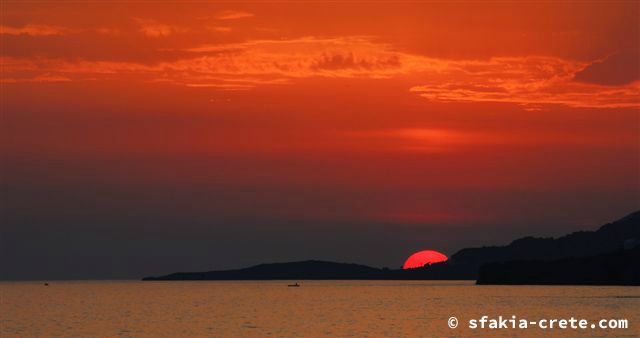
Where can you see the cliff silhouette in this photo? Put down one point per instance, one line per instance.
(607, 255)
(608, 238)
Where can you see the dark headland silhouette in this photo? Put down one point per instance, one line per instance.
(607, 256)
(617, 268)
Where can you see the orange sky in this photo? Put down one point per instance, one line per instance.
(402, 126)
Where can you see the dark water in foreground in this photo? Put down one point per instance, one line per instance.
(318, 308)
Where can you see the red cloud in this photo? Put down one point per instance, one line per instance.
(528, 81)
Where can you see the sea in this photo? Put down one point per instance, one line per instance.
(314, 309)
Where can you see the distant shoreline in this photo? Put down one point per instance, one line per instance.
(314, 270)
(608, 256)
(53, 282)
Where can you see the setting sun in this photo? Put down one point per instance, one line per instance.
(422, 258)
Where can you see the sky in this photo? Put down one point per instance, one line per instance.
(141, 138)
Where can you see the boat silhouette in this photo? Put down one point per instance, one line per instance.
(296, 285)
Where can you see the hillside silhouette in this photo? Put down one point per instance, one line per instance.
(608, 238)
(618, 268)
(602, 254)
(311, 269)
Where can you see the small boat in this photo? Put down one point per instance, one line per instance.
(296, 285)
(46, 284)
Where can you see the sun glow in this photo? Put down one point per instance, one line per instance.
(422, 258)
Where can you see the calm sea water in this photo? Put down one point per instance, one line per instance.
(318, 308)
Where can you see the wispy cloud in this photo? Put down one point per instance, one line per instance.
(34, 30)
(52, 30)
(302, 57)
(39, 78)
(233, 15)
(423, 140)
(446, 140)
(528, 81)
(156, 29)
(531, 82)
(219, 29)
